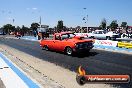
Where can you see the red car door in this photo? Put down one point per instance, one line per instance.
(56, 43)
(51, 45)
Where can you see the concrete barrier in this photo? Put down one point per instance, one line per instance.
(125, 44)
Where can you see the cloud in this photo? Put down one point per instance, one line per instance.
(34, 8)
(31, 8)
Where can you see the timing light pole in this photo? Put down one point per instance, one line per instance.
(87, 23)
(86, 20)
(40, 21)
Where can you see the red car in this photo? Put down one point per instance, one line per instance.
(17, 34)
(67, 42)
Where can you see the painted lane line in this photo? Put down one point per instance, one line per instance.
(3, 64)
(10, 78)
(18, 71)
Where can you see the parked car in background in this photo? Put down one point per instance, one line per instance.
(2, 32)
(125, 35)
(101, 34)
(17, 34)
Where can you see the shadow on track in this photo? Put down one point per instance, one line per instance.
(85, 54)
(79, 55)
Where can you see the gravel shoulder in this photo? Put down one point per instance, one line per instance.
(47, 74)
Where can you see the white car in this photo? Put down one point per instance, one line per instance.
(82, 34)
(101, 34)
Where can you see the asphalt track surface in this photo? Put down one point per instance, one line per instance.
(94, 62)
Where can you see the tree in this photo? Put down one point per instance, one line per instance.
(60, 26)
(18, 29)
(8, 28)
(65, 28)
(108, 27)
(113, 25)
(78, 27)
(24, 30)
(124, 24)
(34, 26)
(103, 24)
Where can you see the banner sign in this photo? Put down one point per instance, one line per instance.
(106, 43)
(82, 78)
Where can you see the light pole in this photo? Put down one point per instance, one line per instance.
(40, 21)
(86, 20)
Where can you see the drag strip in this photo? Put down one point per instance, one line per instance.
(94, 62)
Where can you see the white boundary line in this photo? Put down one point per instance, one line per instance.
(23, 71)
